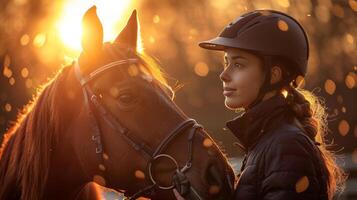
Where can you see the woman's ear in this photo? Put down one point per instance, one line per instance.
(276, 74)
(129, 35)
(92, 33)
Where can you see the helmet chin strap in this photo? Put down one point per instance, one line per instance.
(266, 86)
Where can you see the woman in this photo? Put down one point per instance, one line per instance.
(282, 129)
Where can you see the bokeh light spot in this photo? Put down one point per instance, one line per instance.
(114, 92)
(8, 107)
(353, 4)
(201, 69)
(302, 184)
(105, 156)
(24, 72)
(12, 81)
(350, 80)
(39, 40)
(156, 19)
(139, 174)
(207, 142)
(282, 25)
(330, 86)
(7, 71)
(349, 38)
(343, 127)
(24, 40)
(101, 167)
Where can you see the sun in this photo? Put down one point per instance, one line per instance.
(112, 13)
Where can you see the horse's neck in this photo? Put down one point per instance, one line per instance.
(65, 176)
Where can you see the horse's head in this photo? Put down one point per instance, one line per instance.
(133, 136)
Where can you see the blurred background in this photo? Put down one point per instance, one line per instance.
(38, 37)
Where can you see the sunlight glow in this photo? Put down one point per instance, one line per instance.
(112, 13)
(139, 45)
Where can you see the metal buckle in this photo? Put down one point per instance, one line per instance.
(150, 170)
(99, 149)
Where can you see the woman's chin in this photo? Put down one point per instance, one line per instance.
(232, 104)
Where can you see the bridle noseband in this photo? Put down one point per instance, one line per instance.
(93, 105)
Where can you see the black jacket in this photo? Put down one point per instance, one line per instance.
(281, 162)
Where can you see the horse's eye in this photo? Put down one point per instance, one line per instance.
(126, 98)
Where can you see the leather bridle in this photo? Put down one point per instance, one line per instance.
(94, 106)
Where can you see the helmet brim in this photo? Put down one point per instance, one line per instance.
(219, 44)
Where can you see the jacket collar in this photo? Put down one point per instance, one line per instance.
(249, 126)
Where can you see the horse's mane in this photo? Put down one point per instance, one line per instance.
(26, 147)
(155, 69)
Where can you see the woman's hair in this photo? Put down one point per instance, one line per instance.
(310, 112)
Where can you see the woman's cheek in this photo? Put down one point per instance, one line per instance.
(247, 87)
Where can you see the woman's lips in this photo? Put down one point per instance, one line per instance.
(227, 91)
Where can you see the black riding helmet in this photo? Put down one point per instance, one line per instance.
(269, 34)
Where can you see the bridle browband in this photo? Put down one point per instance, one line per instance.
(92, 102)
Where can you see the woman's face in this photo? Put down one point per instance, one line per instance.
(242, 77)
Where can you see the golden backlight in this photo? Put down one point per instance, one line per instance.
(112, 13)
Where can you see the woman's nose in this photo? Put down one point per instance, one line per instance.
(224, 76)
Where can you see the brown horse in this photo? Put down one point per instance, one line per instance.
(110, 119)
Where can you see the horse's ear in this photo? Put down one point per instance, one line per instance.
(92, 32)
(128, 36)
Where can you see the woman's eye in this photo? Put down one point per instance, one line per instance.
(126, 98)
(238, 65)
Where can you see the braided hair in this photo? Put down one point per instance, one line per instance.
(310, 112)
